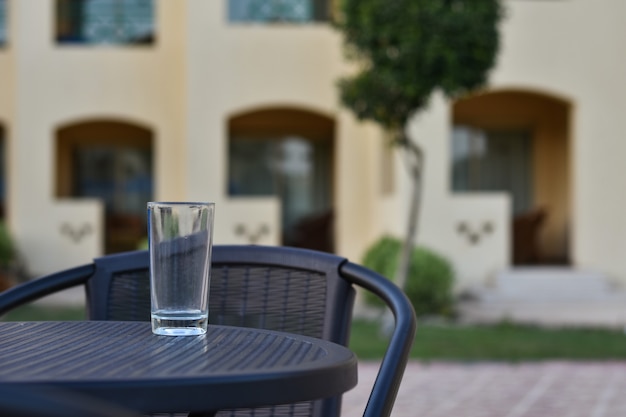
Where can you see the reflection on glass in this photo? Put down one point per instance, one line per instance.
(121, 179)
(3, 22)
(105, 21)
(268, 11)
(295, 169)
(494, 160)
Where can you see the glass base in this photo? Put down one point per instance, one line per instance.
(179, 324)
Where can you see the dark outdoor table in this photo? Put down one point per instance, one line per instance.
(124, 363)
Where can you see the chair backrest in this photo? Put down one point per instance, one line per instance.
(44, 401)
(276, 288)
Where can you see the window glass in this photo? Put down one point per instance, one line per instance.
(105, 21)
(3, 22)
(294, 169)
(494, 160)
(277, 11)
(112, 162)
(122, 179)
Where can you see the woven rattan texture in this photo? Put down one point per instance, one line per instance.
(268, 298)
(303, 409)
(271, 298)
(129, 296)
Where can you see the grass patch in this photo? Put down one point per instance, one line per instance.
(31, 312)
(502, 342)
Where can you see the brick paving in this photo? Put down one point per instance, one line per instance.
(537, 389)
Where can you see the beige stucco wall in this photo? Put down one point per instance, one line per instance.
(237, 68)
(60, 85)
(203, 70)
(6, 84)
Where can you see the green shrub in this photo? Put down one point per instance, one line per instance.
(430, 280)
(7, 249)
(143, 243)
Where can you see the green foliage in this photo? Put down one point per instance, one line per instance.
(502, 342)
(7, 249)
(32, 312)
(430, 280)
(143, 243)
(410, 48)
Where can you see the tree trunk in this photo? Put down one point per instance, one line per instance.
(416, 163)
(415, 159)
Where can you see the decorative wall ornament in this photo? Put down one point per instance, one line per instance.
(76, 234)
(253, 236)
(474, 233)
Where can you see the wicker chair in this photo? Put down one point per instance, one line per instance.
(44, 401)
(277, 288)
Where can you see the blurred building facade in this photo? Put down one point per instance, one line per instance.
(108, 104)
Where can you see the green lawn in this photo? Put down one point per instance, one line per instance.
(37, 313)
(503, 342)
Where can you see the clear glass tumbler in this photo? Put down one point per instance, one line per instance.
(180, 236)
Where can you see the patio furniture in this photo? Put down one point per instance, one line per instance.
(47, 401)
(276, 288)
(526, 230)
(124, 363)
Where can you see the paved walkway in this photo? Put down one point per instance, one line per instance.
(541, 389)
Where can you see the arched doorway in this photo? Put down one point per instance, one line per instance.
(287, 153)
(111, 161)
(519, 142)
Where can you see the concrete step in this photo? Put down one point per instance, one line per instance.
(552, 283)
(548, 296)
(609, 314)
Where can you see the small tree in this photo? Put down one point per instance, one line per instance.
(408, 49)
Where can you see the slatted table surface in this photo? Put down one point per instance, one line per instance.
(123, 362)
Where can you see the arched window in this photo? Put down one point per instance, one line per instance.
(518, 142)
(287, 153)
(111, 161)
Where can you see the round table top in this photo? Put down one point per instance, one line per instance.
(123, 362)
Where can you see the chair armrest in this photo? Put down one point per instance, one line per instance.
(40, 287)
(396, 356)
